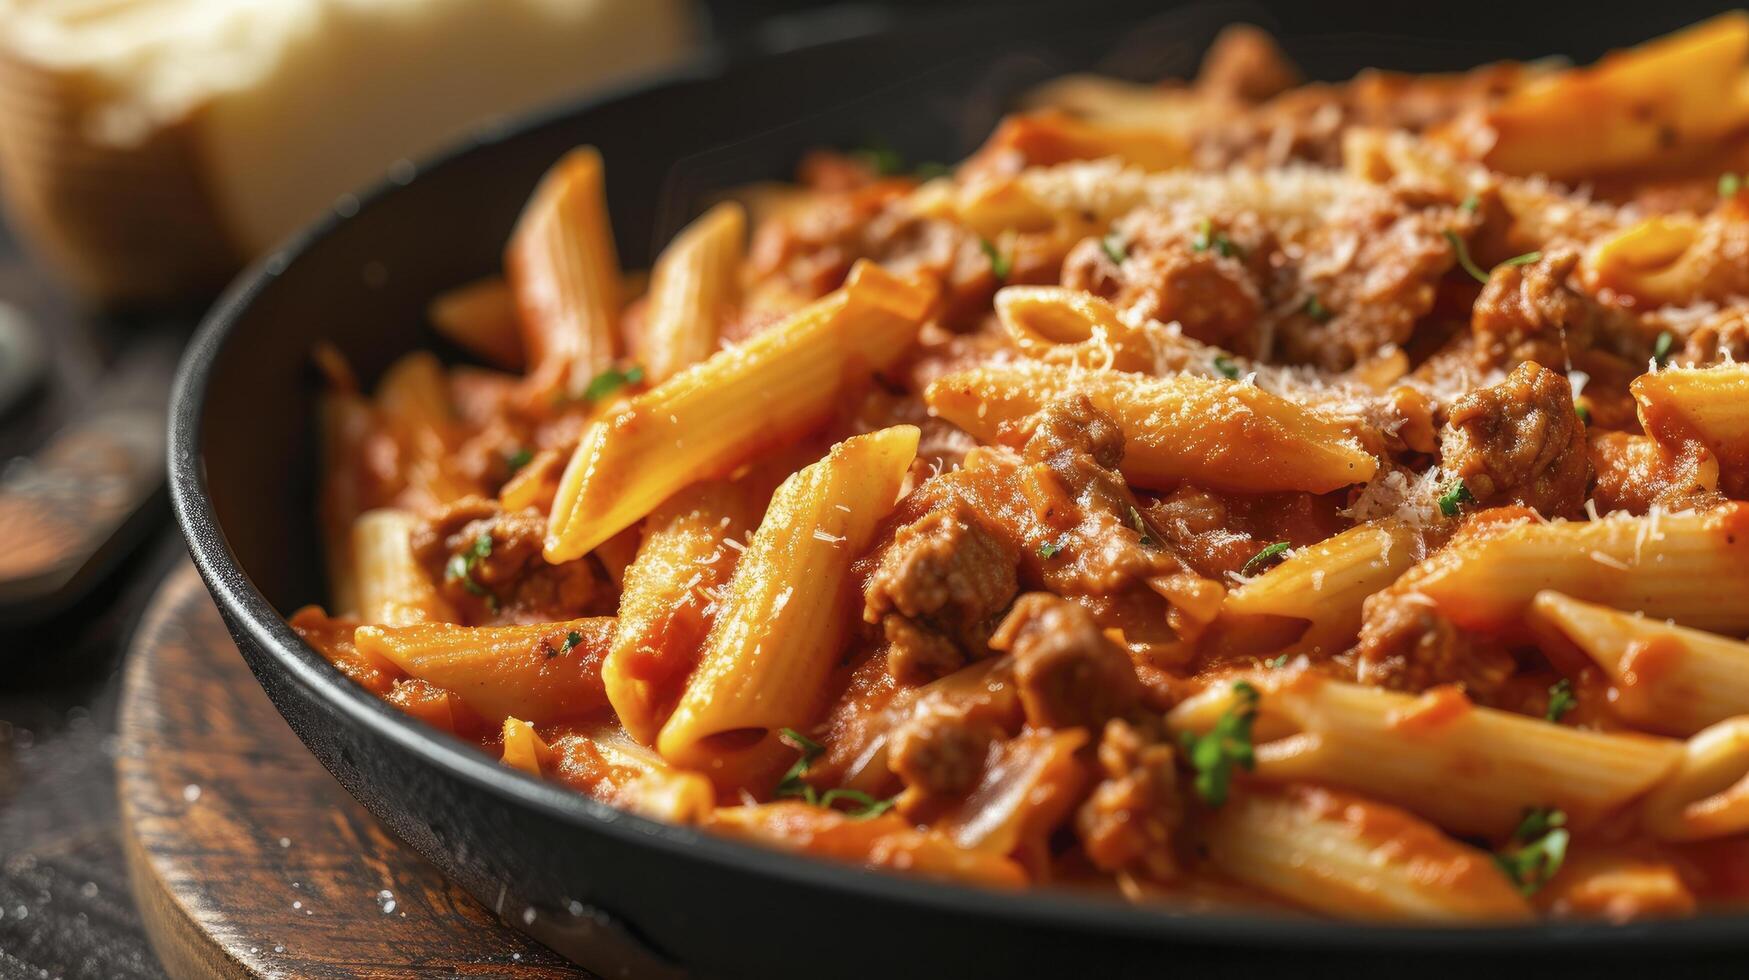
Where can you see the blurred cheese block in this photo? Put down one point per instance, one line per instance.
(148, 147)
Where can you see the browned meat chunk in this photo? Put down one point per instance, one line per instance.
(1530, 313)
(1520, 442)
(1069, 673)
(487, 562)
(1245, 63)
(937, 591)
(1129, 821)
(1166, 277)
(1406, 645)
(940, 758)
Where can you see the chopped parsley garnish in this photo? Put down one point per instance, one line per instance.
(1583, 411)
(517, 460)
(1214, 753)
(1226, 367)
(1661, 347)
(1525, 259)
(1265, 558)
(1561, 700)
(1477, 272)
(1454, 498)
(1141, 526)
(460, 567)
(1050, 549)
(1729, 185)
(1207, 237)
(882, 159)
(1276, 663)
(794, 785)
(1471, 204)
(931, 169)
(571, 640)
(1537, 849)
(999, 266)
(612, 380)
(1114, 249)
(1316, 309)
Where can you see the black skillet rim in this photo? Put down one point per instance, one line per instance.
(1090, 916)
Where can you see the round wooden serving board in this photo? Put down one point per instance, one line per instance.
(246, 857)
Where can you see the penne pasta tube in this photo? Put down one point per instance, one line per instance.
(344, 421)
(564, 273)
(524, 749)
(714, 416)
(1071, 326)
(413, 402)
(1618, 887)
(1353, 858)
(1686, 567)
(1472, 770)
(481, 319)
(392, 588)
(693, 287)
(1666, 678)
(1708, 794)
(671, 598)
(1700, 407)
(1327, 583)
(1223, 435)
(608, 764)
(788, 611)
(886, 841)
(542, 673)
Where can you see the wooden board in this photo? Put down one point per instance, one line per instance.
(245, 856)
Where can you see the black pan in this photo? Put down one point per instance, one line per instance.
(617, 893)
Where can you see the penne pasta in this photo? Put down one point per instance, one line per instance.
(1708, 794)
(1223, 435)
(1685, 567)
(392, 589)
(524, 749)
(1068, 326)
(345, 420)
(1325, 584)
(1469, 769)
(693, 288)
(886, 841)
(481, 318)
(765, 664)
(542, 673)
(672, 596)
(608, 764)
(1352, 858)
(715, 416)
(1665, 678)
(564, 273)
(1700, 410)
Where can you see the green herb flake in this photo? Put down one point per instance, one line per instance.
(1207, 237)
(461, 565)
(517, 460)
(1050, 549)
(882, 159)
(1141, 527)
(1463, 256)
(1265, 558)
(1316, 309)
(1662, 346)
(612, 380)
(1729, 185)
(571, 640)
(1471, 204)
(1525, 259)
(1583, 411)
(1225, 366)
(1276, 663)
(1453, 499)
(1537, 849)
(792, 783)
(931, 169)
(1561, 700)
(863, 806)
(1214, 753)
(1113, 247)
(999, 266)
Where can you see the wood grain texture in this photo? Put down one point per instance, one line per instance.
(246, 858)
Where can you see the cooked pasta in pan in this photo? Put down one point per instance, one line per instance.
(1238, 494)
